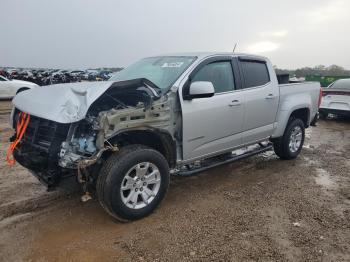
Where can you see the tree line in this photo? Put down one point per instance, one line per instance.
(320, 70)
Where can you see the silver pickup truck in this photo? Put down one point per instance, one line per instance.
(176, 114)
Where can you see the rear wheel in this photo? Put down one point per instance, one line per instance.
(133, 182)
(291, 143)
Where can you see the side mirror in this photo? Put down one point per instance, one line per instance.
(201, 89)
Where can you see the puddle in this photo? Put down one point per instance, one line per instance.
(309, 161)
(324, 179)
(268, 154)
(307, 146)
(244, 150)
(308, 133)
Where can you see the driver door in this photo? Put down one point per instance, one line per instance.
(213, 124)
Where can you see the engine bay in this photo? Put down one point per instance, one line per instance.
(115, 110)
(53, 150)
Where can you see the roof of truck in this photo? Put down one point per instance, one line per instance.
(207, 54)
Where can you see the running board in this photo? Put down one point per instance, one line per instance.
(226, 161)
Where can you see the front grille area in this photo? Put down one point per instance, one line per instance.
(45, 135)
(39, 148)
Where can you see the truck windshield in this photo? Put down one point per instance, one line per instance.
(163, 71)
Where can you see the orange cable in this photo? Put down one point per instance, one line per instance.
(22, 123)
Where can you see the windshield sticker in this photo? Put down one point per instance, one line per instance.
(173, 64)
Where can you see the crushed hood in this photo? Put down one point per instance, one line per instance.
(68, 103)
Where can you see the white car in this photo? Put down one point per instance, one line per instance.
(9, 88)
(336, 99)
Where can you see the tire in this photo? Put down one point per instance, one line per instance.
(284, 147)
(314, 121)
(323, 115)
(130, 201)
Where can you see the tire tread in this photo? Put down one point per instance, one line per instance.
(281, 145)
(117, 159)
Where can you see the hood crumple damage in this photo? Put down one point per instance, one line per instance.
(68, 103)
(79, 122)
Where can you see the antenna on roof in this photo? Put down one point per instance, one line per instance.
(234, 47)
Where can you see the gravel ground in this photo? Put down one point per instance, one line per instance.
(259, 209)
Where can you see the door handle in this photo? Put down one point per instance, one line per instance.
(270, 96)
(235, 103)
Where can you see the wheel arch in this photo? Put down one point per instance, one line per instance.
(158, 139)
(302, 112)
(21, 89)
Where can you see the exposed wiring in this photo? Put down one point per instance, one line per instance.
(22, 123)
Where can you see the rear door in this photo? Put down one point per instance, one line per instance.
(261, 95)
(214, 124)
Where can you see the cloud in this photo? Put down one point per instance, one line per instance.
(263, 47)
(333, 11)
(275, 34)
(309, 31)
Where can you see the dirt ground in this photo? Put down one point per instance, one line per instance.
(259, 209)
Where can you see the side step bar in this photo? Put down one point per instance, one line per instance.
(226, 161)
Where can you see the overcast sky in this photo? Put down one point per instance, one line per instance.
(112, 33)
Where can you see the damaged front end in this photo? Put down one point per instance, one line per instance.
(54, 150)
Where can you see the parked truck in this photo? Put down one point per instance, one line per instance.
(175, 114)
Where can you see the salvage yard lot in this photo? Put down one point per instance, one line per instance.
(261, 208)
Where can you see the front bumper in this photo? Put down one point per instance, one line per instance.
(39, 148)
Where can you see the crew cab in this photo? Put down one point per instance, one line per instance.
(176, 114)
(9, 88)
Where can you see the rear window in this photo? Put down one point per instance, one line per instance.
(341, 84)
(255, 73)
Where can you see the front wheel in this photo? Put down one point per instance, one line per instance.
(133, 182)
(291, 143)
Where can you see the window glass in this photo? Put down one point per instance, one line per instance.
(163, 71)
(255, 73)
(341, 84)
(219, 74)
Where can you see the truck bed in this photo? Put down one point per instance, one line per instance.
(293, 97)
(307, 90)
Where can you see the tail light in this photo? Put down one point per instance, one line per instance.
(320, 98)
(335, 93)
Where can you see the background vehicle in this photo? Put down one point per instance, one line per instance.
(178, 114)
(44, 77)
(336, 99)
(9, 88)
